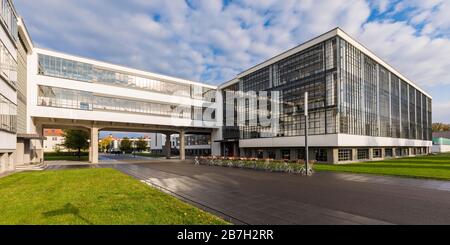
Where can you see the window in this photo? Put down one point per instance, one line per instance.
(377, 153)
(271, 154)
(8, 115)
(345, 155)
(9, 18)
(301, 153)
(69, 69)
(8, 66)
(405, 151)
(321, 155)
(74, 99)
(419, 151)
(398, 152)
(363, 154)
(388, 152)
(286, 154)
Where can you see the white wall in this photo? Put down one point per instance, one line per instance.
(108, 90)
(440, 148)
(7, 141)
(50, 143)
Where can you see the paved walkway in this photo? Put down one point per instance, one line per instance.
(255, 197)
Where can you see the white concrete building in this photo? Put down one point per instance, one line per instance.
(360, 108)
(8, 85)
(69, 91)
(53, 141)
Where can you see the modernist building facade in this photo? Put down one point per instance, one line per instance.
(360, 108)
(69, 91)
(8, 84)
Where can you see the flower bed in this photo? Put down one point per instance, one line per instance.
(296, 167)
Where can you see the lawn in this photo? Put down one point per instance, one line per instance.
(65, 156)
(91, 196)
(430, 167)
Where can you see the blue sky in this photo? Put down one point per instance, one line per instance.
(213, 40)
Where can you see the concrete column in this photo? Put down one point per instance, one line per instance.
(93, 153)
(394, 152)
(182, 145)
(370, 154)
(40, 147)
(334, 156)
(294, 155)
(383, 153)
(216, 135)
(20, 152)
(3, 159)
(11, 163)
(354, 154)
(278, 154)
(168, 146)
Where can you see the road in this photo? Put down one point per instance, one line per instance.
(256, 197)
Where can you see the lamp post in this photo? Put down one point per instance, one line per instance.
(306, 135)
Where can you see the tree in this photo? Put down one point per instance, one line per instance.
(141, 145)
(125, 145)
(440, 127)
(76, 140)
(105, 143)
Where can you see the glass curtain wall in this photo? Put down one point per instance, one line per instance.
(74, 99)
(69, 69)
(395, 107)
(375, 102)
(314, 71)
(9, 18)
(349, 93)
(8, 66)
(8, 115)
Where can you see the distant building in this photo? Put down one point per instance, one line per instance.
(441, 142)
(54, 140)
(195, 144)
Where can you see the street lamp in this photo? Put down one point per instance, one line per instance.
(306, 135)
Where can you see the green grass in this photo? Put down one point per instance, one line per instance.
(65, 156)
(429, 167)
(91, 196)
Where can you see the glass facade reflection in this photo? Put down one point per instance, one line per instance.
(8, 115)
(349, 93)
(8, 66)
(75, 70)
(74, 99)
(9, 18)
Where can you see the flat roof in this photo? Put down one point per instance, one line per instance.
(310, 43)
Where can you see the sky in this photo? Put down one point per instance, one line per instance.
(211, 41)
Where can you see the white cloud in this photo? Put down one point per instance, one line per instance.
(441, 112)
(212, 42)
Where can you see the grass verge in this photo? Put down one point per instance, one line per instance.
(91, 196)
(429, 167)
